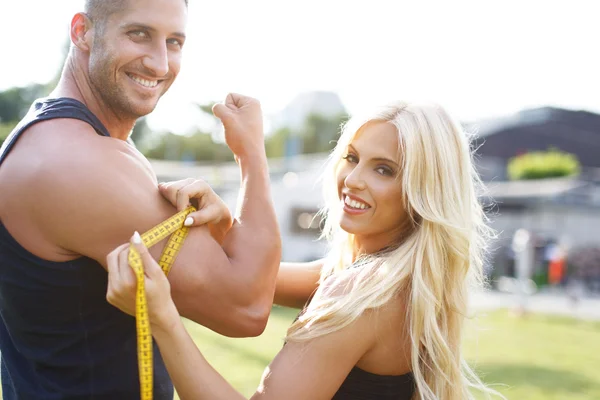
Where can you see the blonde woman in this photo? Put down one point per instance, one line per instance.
(388, 303)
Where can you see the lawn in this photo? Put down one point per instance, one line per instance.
(533, 358)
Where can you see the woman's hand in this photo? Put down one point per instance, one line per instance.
(212, 210)
(122, 284)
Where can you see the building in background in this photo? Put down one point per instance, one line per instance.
(499, 139)
(561, 212)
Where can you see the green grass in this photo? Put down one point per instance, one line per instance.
(242, 361)
(532, 358)
(536, 356)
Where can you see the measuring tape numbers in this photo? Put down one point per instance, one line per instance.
(174, 228)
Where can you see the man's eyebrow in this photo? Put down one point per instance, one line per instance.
(135, 25)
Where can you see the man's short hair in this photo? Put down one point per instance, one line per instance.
(100, 10)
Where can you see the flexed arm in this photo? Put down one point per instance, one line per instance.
(91, 209)
(296, 282)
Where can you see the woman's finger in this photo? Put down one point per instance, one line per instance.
(151, 267)
(170, 190)
(198, 190)
(183, 196)
(211, 214)
(112, 259)
(127, 278)
(113, 267)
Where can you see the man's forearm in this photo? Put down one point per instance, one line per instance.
(230, 290)
(253, 244)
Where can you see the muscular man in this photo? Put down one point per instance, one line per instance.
(72, 189)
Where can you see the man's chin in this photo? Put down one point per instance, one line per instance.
(141, 110)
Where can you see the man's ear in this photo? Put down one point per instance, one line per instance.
(81, 27)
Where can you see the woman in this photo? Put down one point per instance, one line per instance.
(388, 303)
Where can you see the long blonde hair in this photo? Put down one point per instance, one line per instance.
(436, 263)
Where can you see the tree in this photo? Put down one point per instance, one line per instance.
(196, 147)
(140, 133)
(5, 130)
(276, 142)
(14, 104)
(543, 164)
(15, 101)
(207, 108)
(320, 133)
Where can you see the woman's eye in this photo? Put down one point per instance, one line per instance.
(350, 158)
(384, 171)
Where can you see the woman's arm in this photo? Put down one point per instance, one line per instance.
(311, 370)
(296, 282)
(193, 377)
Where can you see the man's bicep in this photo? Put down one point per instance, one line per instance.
(92, 209)
(105, 229)
(97, 210)
(199, 275)
(201, 278)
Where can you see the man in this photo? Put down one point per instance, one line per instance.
(73, 189)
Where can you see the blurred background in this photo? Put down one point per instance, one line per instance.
(521, 76)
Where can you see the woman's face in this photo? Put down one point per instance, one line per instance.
(369, 187)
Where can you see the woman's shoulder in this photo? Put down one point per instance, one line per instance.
(346, 283)
(339, 284)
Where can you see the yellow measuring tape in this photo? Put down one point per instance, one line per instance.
(174, 227)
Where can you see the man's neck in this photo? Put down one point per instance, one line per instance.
(76, 84)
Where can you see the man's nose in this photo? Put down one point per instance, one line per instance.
(157, 60)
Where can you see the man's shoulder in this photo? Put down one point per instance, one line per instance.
(78, 188)
(69, 148)
(98, 191)
(70, 165)
(59, 141)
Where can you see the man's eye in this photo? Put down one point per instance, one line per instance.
(138, 34)
(175, 42)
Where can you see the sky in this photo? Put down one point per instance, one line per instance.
(479, 59)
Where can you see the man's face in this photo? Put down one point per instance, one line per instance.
(136, 56)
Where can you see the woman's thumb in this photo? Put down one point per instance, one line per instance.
(151, 267)
(207, 215)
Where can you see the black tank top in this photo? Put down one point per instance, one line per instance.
(363, 385)
(59, 337)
